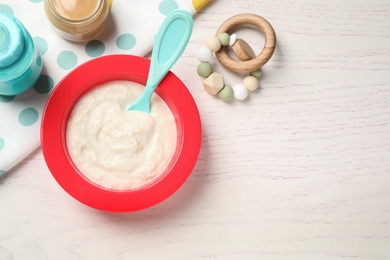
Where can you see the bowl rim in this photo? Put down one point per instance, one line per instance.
(60, 104)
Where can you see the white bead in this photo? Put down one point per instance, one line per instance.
(204, 55)
(240, 92)
(213, 43)
(233, 39)
(251, 83)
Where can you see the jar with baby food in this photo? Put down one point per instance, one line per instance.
(77, 20)
(20, 60)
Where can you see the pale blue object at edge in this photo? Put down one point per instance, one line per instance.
(20, 60)
(170, 42)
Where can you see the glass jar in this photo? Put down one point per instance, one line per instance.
(77, 20)
(20, 60)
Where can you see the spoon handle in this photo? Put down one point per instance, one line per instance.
(170, 42)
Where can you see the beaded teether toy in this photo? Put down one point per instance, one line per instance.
(214, 82)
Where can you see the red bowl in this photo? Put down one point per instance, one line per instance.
(60, 105)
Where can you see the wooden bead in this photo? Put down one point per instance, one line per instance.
(213, 43)
(213, 83)
(251, 83)
(243, 51)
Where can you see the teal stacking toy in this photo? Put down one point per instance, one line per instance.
(20, 60)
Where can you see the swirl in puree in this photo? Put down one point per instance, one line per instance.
(119, 149)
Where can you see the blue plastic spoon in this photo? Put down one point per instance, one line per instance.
(170, 42)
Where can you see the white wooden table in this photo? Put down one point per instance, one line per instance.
(301, 170)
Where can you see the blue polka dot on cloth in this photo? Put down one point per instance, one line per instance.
(6, 99)
(28, 116)
(95, 48)
(167, 6)
(126, 41)
(130, 30)
(6, 9)
(67, 60)
(44, 85)
(2, 143)
(41, 44)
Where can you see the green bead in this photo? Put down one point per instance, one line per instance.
(224, 38)
(205, 69)
(257, 73)
(226, 94)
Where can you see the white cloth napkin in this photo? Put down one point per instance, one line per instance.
(130, 30)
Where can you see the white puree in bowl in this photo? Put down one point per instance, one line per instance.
(120, 149)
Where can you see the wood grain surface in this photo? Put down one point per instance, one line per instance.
(299, 170)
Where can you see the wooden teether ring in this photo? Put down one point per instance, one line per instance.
(259, 60)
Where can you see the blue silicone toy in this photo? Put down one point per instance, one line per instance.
(170, 42)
